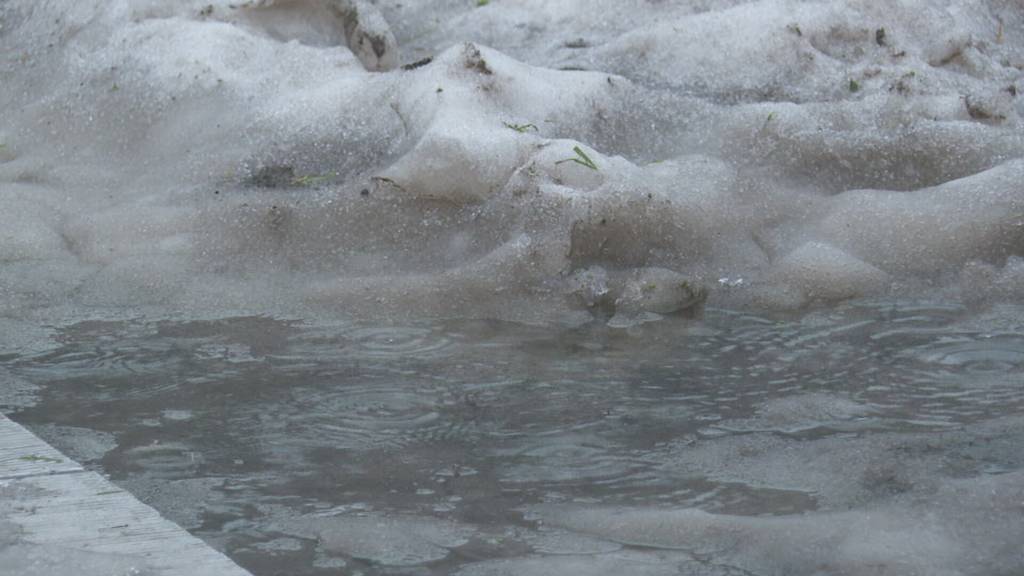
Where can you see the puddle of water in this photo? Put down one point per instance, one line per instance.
(316, 448)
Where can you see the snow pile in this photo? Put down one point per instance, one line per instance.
(528, 160)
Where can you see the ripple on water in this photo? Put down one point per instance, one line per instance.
(952, 379)
(476, 423)
(367, 415)
(101, 359)
(170, 461)
(392, 342)
(571, 459)
(975, 355)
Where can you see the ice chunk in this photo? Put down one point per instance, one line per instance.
(568, 543)
(891, 540)
(661, 291)
(80, 444)
(387, 540)
(801, 412)
(457, 163)
(638, 563)
(590, 285)
(823, 272)
(927, 231)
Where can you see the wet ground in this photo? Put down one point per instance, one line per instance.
(312, 448)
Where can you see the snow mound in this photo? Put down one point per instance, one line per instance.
(425, 159)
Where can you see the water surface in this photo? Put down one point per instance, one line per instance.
(314, 448)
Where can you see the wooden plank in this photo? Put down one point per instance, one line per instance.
(59, 506)
(23, 454)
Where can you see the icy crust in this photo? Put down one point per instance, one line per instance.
(384, 540)
(892, 540)
(626, 160)
(899, 507)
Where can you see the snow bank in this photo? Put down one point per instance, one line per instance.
(522, 160)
